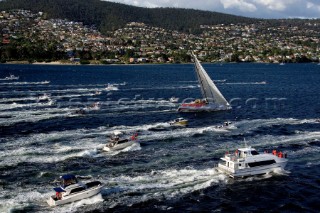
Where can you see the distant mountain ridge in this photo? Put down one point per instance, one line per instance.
(110, 16)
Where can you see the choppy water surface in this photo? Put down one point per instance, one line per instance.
(274, 107)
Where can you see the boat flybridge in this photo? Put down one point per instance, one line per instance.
(72, 190)
(179, 122)
(247, 162)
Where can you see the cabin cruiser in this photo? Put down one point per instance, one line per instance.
(179, 122)
(111, 87)
(11, 77)
(117, 143)
(247, 162)
(72, 190)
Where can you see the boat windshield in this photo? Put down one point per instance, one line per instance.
(254, 152)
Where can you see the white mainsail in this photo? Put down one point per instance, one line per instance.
(208, 89)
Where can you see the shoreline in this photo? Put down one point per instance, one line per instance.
(59, 63)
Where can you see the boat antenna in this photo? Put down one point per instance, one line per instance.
(245, 142)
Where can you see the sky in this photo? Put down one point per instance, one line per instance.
(248, 8)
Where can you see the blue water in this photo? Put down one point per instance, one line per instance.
(274, 107)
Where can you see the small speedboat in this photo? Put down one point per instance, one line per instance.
(94, 106)
(248, 162)
(115, 143)
(72, 190)
(174, 100)
(97, 92)
(227, 125)
(179, 122)
(111, 87)
(11, 77)
(44, 97)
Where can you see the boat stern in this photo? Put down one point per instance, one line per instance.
(51, 201)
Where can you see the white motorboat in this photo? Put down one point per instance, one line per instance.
(43, 97)
(111, 87)
(93, 107)
(227, 125)
(97, 92)
(11, 77)
(72, 190)
(212, 100)
(247, 162)
(115, 143)
(174, 100)
(179, 122)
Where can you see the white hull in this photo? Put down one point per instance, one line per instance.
(119, 146)
(252, 171)
(178, 125)
(78, 196)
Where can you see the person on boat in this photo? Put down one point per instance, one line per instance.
(204, 101)
(58, 195)
(134, 137)
(236, 153)
(227, 123)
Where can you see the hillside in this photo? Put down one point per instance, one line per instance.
(110, 16)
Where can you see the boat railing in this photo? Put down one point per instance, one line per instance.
(232, 156)
(279, 154)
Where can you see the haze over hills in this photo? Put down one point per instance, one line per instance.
(110, 16)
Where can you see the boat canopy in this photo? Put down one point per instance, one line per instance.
(67, 180)
(58, 189)
(68, 177)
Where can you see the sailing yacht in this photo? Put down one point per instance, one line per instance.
(212, 100)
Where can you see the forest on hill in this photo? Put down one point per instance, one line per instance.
(109, 16)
